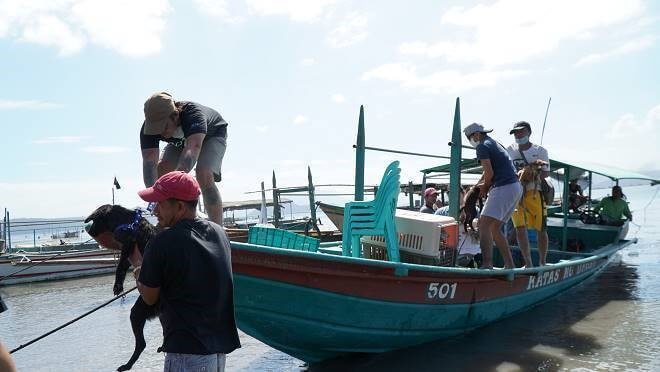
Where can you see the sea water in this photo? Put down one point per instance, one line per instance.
(609, 323)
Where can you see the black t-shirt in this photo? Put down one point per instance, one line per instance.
(191, 263)
(195, 118)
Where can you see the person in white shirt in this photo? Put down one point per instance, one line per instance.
(531, 212)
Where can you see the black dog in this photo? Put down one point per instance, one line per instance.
(112, 224)
(470, 207)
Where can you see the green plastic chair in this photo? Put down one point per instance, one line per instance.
(375, 217)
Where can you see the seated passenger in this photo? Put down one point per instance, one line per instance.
(613, 208)
(444, 210)
(468, 240)
(430, 197)
(468, 250)
(576, 198)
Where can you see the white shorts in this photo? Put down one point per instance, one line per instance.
(502, 201)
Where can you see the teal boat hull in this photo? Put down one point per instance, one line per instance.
(316, 306)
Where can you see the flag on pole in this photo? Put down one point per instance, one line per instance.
(117, 184)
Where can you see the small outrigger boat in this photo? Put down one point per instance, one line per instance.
(16, 268)
(393, 281)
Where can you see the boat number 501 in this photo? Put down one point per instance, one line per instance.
(441, 290)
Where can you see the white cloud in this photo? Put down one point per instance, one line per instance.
(338, 98)
(131, 28)
(629, 47)
(308, 62)
(515, 31)
(60, 139)
(297, 10)
(629, 126)
(104, 149)
(262, 128)
(300, 119)
(352, 30)
(444, 81)
(217, 8)
(28, 105)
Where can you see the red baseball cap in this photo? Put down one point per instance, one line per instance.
(430, 191)
(174, 185)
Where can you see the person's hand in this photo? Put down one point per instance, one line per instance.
(135, 257)
(136, 272)
(483, 190)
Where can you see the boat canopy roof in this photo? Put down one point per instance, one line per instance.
(250, 204)
(471, 166)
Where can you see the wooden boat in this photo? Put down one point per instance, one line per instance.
(18, 268)
(335, 300)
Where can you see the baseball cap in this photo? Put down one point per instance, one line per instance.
(157, 109)
(174, 185)
(521, 125)
(475, 128)
(430, 191)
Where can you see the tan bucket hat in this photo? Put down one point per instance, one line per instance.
(157, 109)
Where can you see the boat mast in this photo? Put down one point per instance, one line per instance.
(359, 158)
(455, 168)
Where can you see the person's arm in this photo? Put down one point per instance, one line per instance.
(6, 363)
(190, 152)
(545, 172)
(626, 212)
(149, 166)
(486, 177)
(149, 295)
(149, 276)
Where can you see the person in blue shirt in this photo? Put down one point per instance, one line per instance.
(500, 182)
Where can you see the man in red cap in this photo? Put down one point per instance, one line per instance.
(187, 268)
(196, 136)
(430, 197)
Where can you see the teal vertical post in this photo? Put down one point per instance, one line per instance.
(312, 202)
(34, 238)
(421, 193)
(589, 202)
(276, 203)
(564, 207)
(8, 233)
(455, 168)
(359, 158)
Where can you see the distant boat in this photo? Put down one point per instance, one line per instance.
(65, 235)
(19, 267)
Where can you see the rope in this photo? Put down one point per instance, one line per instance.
(42, 261)
(72, 321)
(639, 227)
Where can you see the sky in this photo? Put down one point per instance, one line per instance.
(290, 75)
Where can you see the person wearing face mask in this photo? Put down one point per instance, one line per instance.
(500, 182)
(531, 212)
(196, 136)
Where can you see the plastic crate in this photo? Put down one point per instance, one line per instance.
(279, 238)
(423, 239)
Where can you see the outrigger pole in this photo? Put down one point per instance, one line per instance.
(455, 168)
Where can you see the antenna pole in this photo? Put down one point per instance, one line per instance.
(545, 118)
